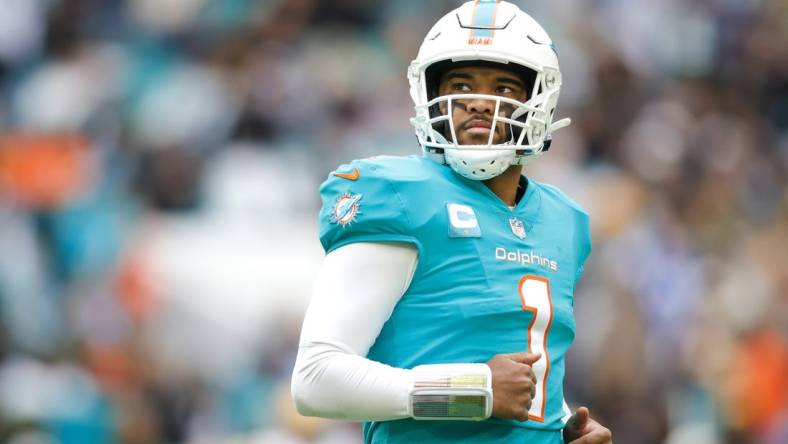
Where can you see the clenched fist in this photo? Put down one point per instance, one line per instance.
(513, 384)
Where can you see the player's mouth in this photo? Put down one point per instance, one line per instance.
(478, 126)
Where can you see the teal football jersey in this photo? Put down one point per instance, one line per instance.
(490, 279)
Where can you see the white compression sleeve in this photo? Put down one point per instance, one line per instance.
(357, 288)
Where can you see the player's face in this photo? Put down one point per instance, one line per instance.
(473, 117)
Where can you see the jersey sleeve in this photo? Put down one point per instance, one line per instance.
(583, 244)
(361, 204)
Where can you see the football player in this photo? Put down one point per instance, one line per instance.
(443, 309)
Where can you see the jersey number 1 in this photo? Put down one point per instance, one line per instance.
(535, 297)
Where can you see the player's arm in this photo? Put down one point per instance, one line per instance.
(355, 292)
(357, 288)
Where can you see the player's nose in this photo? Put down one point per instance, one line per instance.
(481, 106)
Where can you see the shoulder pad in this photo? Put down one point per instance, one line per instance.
(361, 203)
(561, 197)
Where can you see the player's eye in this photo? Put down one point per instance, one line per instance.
(460, 87)
(504, 90)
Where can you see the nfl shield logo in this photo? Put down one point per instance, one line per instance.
(517, 227)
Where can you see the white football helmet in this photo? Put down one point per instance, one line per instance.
(487, 32)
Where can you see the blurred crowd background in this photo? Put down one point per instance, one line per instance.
(159, 166)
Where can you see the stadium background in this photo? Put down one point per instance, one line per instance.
(159, 165)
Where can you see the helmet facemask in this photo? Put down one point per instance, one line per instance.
(524, 123)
